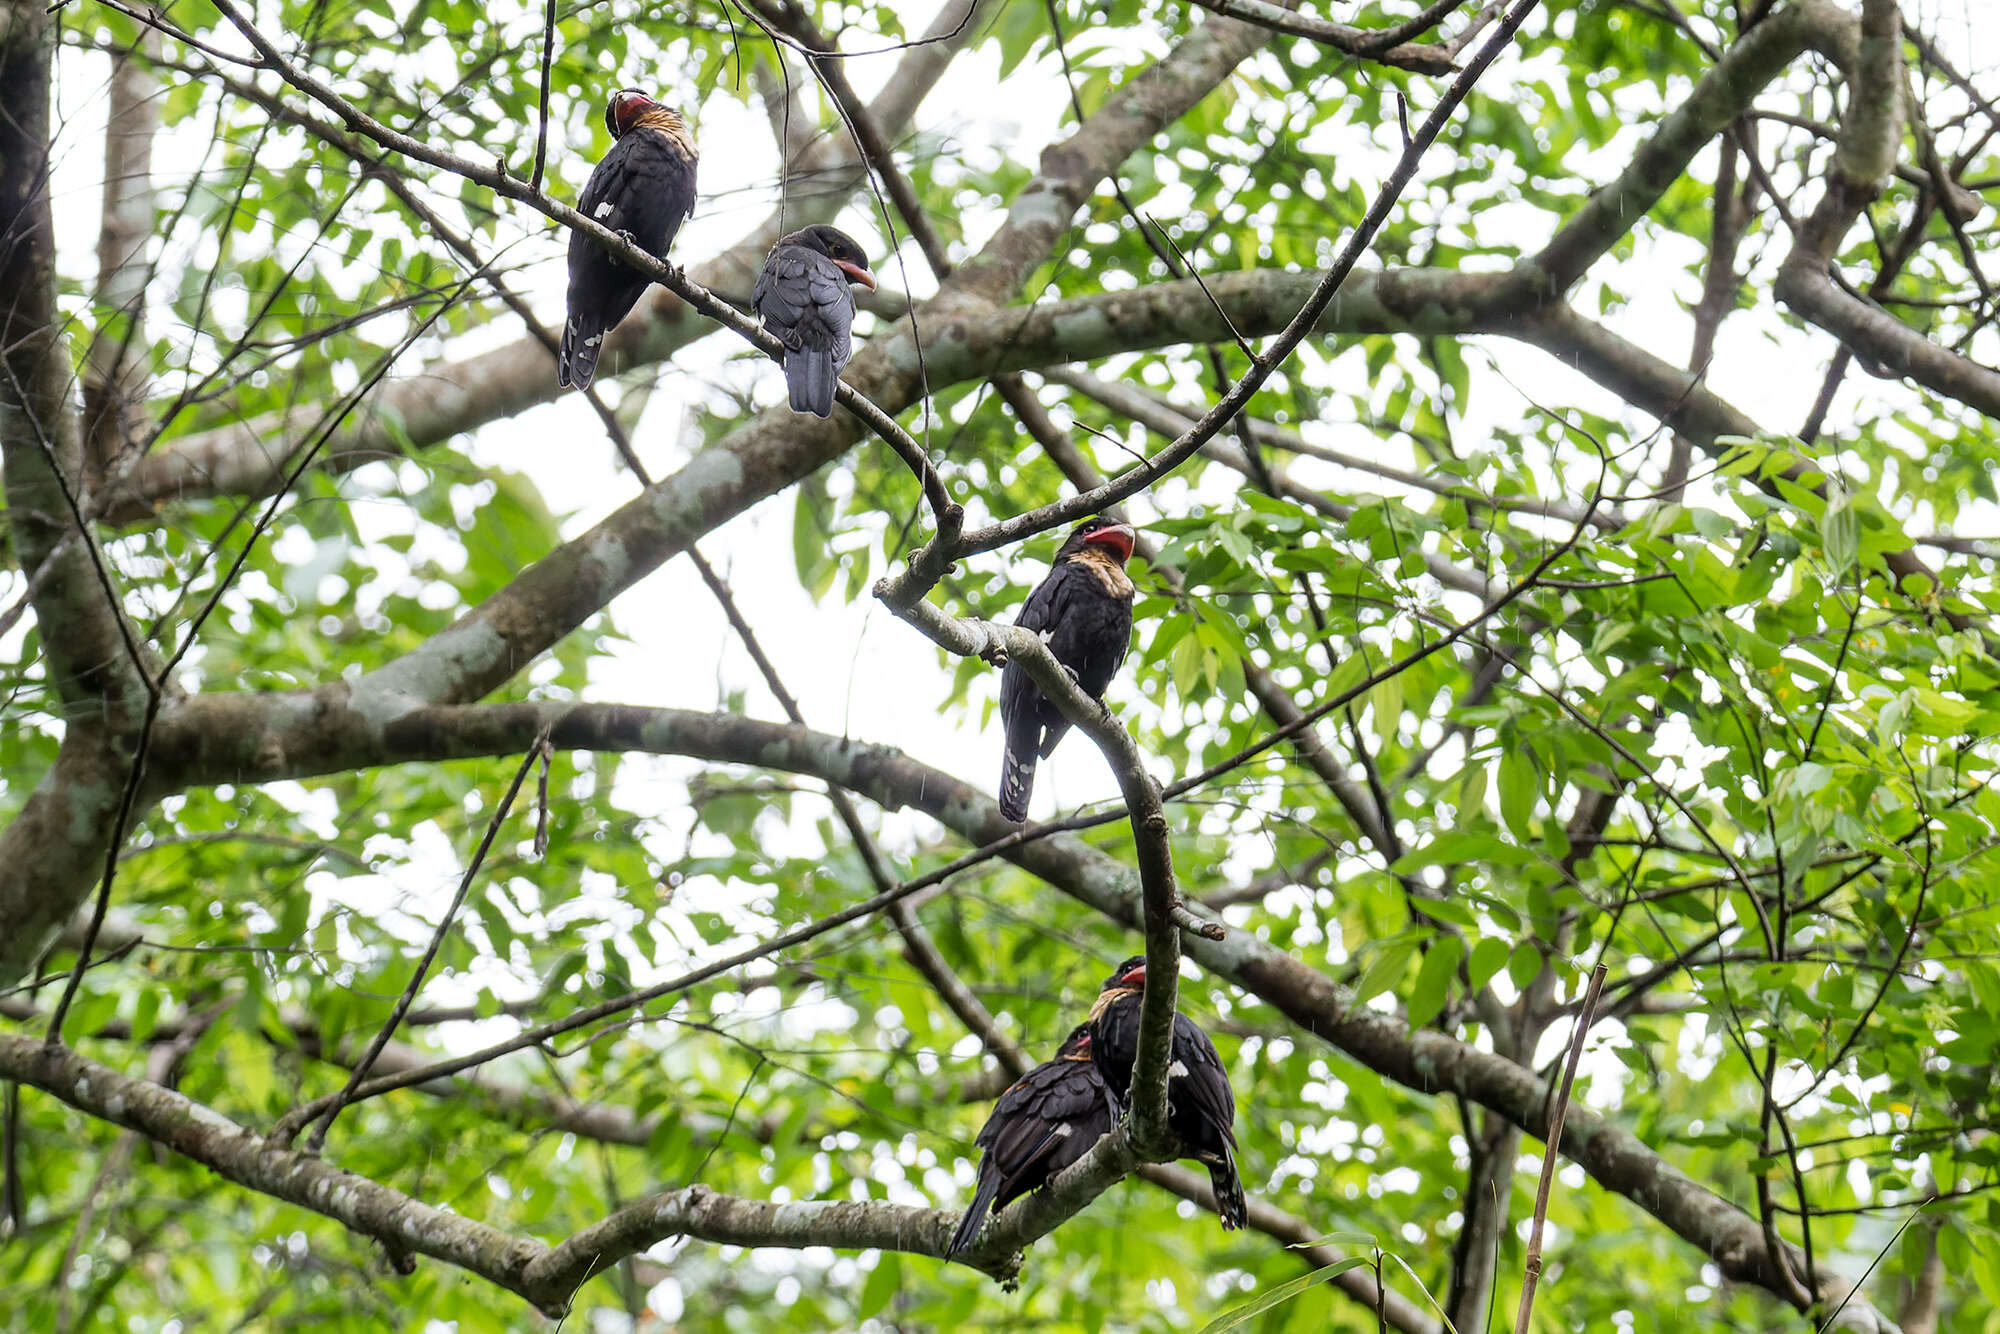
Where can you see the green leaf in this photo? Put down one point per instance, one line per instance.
(883, 1281)
(1520, 790)
(1523, 964)
(1840, 530)
(1489, 956)
(1284, 1292)
(1386, 969)
(1434, 979)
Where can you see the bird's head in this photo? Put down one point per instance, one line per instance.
(627, 107)
(1101, 533)
(1128, 976)
(838, 246)
(1076, 1047)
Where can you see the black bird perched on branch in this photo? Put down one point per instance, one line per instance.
(1201, 1110)
(803, 297)
(643, 190)
(1083, 610)
(1046, 1120)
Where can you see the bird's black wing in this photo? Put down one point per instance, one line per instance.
(1083, 1099)
(803, 298)
(1010, 1139)
(1204, 1089)
(644, 187)
(1201, 1108)
(1046, 609)
(783, 291)
(1093, 633)
(1058, 1116)
(1052, 598)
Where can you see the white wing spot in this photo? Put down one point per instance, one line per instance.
(593, 342)
(1177, 1071)
(601, 209)
(1064, 1131)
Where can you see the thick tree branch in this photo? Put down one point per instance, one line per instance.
(93, 660)
(207, 1137)
(1003, 643)
(1871, 136)
(114, 387)
(1723, 94)
(546, 1276)
(243, 459)
(1427, 1061)
(53, 850)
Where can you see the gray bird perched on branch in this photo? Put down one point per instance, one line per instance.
(805, 299)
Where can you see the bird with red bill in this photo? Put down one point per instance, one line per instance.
(805, 298)
(644, 191)
(1083, 611)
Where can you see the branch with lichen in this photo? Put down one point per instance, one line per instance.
(999, 644)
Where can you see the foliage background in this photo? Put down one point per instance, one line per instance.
(1726, 742)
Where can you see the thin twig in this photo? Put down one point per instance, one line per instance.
(1551, 1142)
(548, 57)
(929, 562)
(537, 753)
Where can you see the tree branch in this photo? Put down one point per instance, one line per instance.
(1002, 643)
(94, 662)
(1276, 700)
(1426, 1060)
(1722, 95)
(546, 1276)
(454, 397)
(1387, 46)
(1870, 137)
(869, 142)
(930, 562)
(114, 387)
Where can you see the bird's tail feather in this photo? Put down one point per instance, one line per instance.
(1229, 1201)
(1017, 781)
(577, 364)
(809, 377)
(968, 1226)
